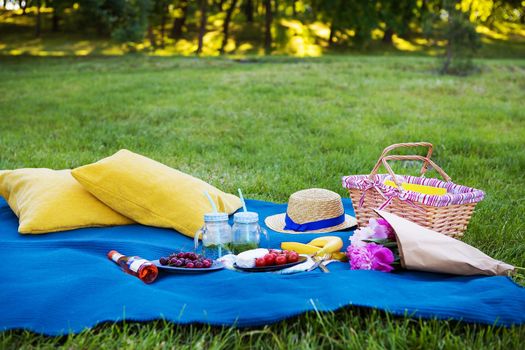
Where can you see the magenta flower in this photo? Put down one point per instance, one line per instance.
(370, 257)
(381, 228)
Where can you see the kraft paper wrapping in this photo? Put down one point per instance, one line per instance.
(425, 250)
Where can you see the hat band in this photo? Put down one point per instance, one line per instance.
(314, 225)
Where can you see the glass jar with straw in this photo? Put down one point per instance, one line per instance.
(246, 230)
(216, 233)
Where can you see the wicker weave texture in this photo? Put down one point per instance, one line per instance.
(451, 220)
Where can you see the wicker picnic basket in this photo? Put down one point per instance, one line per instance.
(448, 214)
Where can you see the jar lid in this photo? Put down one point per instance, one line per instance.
(246, 217)
(215, 217)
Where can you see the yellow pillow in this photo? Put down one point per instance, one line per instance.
(152, 193)
(48, 200)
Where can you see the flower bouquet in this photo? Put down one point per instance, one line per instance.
(391, 242)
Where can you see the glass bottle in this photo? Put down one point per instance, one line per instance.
(144, 269)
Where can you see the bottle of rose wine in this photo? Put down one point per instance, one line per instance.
(136, 266)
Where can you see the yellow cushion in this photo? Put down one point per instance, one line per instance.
(152, 193)
(48, 200)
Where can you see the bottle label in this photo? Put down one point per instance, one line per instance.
(116, 256)
(135, 263)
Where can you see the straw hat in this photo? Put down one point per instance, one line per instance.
(314, 210)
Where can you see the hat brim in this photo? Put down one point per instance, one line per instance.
(276, 223)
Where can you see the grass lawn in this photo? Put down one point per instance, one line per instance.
(273, 127)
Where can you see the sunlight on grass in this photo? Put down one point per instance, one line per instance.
(300, 39)
(377, 34)
(404, 45)
(491, 33)
(291, 37)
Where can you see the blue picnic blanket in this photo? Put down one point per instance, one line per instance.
(62, 282)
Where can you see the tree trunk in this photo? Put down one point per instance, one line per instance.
(178, 22)
(151, 37)
(38, 24)
(226, 26)
(248, 11)
(268, 27)
(294, 10)
(449, 53)
(163, 27)
(202, 29)
(387, 37)
(55, 20)
(24, 7)
(332, 34)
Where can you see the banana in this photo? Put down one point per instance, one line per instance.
(300, 247)
(319, 246)
(341, 256)
(329, 244)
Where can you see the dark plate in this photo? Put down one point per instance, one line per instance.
(214, 267)
(302, 259)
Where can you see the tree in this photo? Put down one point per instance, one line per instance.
(132, 21)
(58, 7)
(180, 19)
(358, 15)
(23, 5)
(462, 40)
(202, 26)
(248, 10)
(268, 27)
(158, 18)
(226, 25)
(38, 23)
(397, 16)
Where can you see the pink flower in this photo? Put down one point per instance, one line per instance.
(370, 257)
(361, 234)
(381, 228)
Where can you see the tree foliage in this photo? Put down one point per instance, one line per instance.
(349, 23)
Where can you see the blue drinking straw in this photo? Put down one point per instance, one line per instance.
(242, 201)
(214, 207)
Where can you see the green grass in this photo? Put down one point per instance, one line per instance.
(274, 127)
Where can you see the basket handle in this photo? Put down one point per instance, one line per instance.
(387, 150)
(384, 158)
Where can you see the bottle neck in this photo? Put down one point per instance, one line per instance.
(115, 256)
